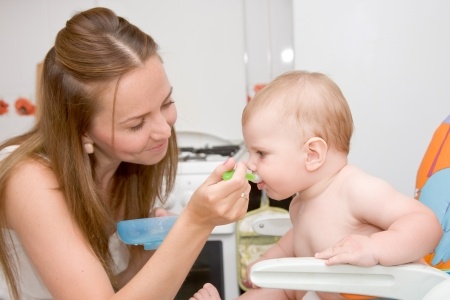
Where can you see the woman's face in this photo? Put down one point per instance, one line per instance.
(144, 114)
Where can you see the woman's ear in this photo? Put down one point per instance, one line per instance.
(316, 153)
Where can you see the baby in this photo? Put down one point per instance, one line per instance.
(297, 131)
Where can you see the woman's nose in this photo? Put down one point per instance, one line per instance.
(160, 128)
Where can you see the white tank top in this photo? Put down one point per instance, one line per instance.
(31, 286)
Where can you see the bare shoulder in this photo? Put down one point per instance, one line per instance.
(375, 200)
(354, 171)
(32, 174)
(32, 187)
(364, 192)
(358, 181)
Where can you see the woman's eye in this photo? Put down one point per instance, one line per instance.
(137, 127)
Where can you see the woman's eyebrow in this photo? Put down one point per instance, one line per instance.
(140, 116)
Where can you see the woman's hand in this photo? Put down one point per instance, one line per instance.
(219, 202)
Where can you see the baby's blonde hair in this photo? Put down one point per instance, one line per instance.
(311, 102)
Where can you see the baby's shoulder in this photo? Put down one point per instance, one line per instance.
(358, 186)
(352, 170)
(352, 176)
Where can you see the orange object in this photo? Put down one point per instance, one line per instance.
(3, 107)
(24, 106)
(433, 190)
(356, 297)
(256, 89)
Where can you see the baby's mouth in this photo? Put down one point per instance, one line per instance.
(261, 185)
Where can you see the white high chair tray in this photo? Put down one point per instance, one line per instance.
(408, 282)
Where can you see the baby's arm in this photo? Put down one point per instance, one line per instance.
(283, 248)
(409, 229)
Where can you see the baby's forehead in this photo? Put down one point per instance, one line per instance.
(261, 115)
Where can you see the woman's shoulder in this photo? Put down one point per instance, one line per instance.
(33, 171)
(31, 186)
(27, 170)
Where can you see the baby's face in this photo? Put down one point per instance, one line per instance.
(274, 154)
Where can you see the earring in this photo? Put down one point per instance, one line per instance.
(89, 148)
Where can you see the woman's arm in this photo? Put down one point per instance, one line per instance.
(216, 202)
(37, 211)
(68, 266)
(138, 257)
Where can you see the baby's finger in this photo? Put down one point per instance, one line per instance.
(342, 258)
(327, 253)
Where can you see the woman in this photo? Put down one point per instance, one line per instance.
(103, 150)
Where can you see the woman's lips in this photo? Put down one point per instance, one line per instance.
(159, 147)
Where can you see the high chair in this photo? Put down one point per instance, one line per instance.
(405, 282)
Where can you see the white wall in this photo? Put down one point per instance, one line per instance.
(201, 41)
(391, 59)
(392, 62)
(269, 44)
(27, 30)
(202, 44)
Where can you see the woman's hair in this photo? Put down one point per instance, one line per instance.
(311, 102)
(96, 48)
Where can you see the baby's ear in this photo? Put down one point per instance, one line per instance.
(316, 153)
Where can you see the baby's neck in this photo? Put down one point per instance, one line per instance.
(325, 175)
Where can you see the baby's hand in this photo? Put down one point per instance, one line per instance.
(247, 280)
(355, 249)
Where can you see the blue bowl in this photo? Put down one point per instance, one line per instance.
(149, 232)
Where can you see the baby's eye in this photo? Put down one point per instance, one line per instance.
(168, 103)
(260, 153)
(137, 127)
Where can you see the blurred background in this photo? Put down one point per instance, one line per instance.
(390, 58)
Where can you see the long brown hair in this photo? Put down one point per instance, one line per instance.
(95, 48)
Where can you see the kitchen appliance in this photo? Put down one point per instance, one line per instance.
(200, 154)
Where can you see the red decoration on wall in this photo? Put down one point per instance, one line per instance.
(24, 106)
(256, 89)
(3, 107)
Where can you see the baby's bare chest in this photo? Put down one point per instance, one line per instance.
(318, 227)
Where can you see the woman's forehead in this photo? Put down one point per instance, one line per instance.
(137, 92)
